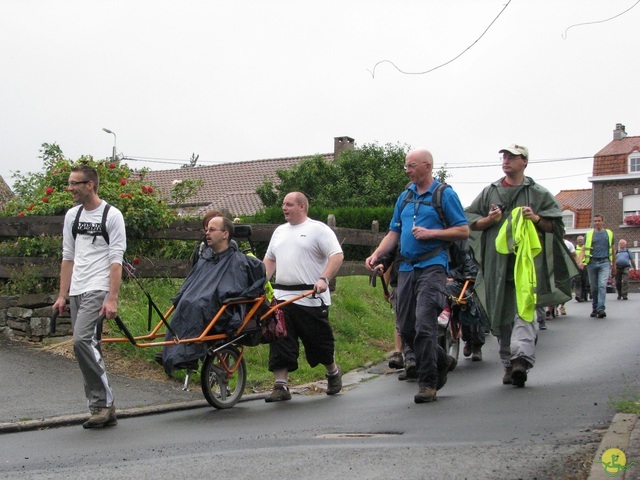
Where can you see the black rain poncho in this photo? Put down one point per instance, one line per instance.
(214, 278)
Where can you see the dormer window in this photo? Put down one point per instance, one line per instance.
(568, 218)
(634, 162)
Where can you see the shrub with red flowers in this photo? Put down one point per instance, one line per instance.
(634, 275)
(144, 210)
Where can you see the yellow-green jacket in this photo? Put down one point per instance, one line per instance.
(518, 235)
(588, 239)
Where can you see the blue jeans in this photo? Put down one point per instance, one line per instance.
(598, 275)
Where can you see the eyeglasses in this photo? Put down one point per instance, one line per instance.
(413, 166)
(211, 229)
(73, 183)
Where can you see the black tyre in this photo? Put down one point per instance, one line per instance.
(223, 377)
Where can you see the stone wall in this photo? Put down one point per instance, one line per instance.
(29, 316)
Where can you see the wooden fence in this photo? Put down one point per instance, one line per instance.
(33, 226)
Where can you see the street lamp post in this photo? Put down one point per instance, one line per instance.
(113, 155)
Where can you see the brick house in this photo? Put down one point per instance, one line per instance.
(231, 187)
(616, 187)
(576, 211)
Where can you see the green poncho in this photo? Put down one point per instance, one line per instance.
(554, 266)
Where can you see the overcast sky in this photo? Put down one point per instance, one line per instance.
(248, 80)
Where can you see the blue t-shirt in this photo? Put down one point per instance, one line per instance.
(600, 244)
(426, 216)
(623, 259)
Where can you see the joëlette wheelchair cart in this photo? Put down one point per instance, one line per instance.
(223, 372)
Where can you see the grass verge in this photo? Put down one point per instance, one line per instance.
(629, 400)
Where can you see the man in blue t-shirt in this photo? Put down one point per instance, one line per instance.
(600, 257)
(422, 276)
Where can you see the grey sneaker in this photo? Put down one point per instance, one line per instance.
(334, 382)
(280, 393)
(396, 361)
(425, 395)
(101, 417)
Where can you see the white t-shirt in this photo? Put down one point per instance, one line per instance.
(569, 246)
(91, 255)
(301, 253)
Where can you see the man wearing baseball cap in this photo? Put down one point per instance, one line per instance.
(519, 200)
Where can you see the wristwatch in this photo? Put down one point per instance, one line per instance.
(325, 280)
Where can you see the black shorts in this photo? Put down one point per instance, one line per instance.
(309, 325)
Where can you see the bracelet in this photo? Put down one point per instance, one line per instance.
(539, 218)
(325, 280)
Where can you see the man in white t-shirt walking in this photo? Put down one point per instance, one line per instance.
(93, 247)
(304, 254)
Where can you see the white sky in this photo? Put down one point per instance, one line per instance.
(247, 80)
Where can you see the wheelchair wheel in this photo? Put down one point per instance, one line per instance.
(223, 377)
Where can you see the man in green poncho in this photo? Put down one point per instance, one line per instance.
(490, 213)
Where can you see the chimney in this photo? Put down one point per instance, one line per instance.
(340, 144)
(619, 133)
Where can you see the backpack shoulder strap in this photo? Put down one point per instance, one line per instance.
(437, 202)
(103, 227)
(76, 222)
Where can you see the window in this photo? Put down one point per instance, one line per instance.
(634, 162)
(631, 209)
(568, 218)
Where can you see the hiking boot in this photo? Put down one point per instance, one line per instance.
(506, 378)
(410, 371)
(476, 356)
(519, 372)
(101, 417)
(619, 297)
(396, 361)
(334, 382)
(466, 351)
(425, 395)
(280, 393)
(601, 314)
(594, 314)
(624, 297)
(444, 369)
(563, 311)
(542, 325)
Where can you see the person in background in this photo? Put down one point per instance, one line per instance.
(511, 283)
(305, 255)
(90, 273)
(581, 284)
(624, 261)
(561, 309)
(422, 276)
(599, 255)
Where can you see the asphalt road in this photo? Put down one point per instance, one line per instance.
(478, 428)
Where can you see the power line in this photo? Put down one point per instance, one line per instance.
(564, 35)
(373, 72)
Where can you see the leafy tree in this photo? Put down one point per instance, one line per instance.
(369, 176)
